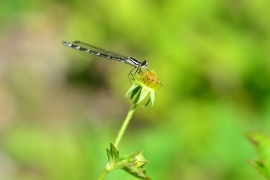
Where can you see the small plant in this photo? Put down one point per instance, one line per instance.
(144, 85)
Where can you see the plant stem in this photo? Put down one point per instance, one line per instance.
(103, 174)
(125, 124)
(120, 134)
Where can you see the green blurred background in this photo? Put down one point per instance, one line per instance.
(59, 110)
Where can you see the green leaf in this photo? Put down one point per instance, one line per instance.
(135, 91)
(260, 167)
(147, 102)
(152, 97)
(134, 86)
(134, 165)
(261, 142)
(143, 93)
(113, 157)
(139, 173)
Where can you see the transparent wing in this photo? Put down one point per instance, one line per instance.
(90, 49)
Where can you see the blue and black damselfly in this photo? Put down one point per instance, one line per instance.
(90, 49)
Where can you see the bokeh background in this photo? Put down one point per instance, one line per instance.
(59, 109)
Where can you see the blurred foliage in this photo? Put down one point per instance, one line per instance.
(261, 142)
(60, 110)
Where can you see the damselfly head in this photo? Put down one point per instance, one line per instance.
(143, 64)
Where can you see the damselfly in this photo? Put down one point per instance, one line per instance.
(90, 49)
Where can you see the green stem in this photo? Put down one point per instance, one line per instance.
(103, 174)
(121, 133)
(125, 124)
